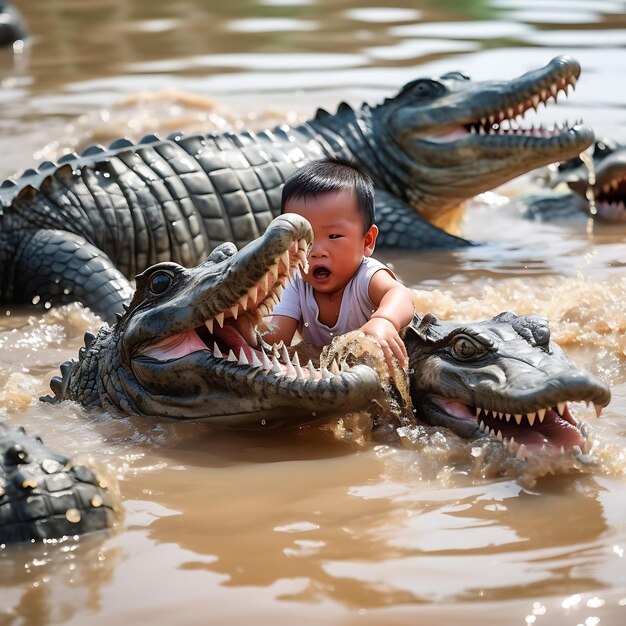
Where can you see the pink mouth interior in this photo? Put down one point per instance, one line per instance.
(554, 431)
(230, 338)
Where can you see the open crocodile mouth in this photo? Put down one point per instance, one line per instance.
(610, 197)
(231, 337)
(552, 429)
(503, 119)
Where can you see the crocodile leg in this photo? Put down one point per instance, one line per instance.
(58, 267)
(401, 227)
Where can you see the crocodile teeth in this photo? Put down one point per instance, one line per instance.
(531, 418)
(499, 435)
(598, 409)
(325, 373)
(235, 310)
(334, 368)
(522, 452)
(273, 270)
(243, 301)
(311, 368)
(296, 365)
(284, 354)
(253, 293)
(231, 356)
(219, 318)
(481, 425)
(512, 445)
(243, 359)
(209, 325)
(541, 413)
(478, 411)
(518, 418)
(217, 353)
(255, 360)
(276, 368)
(264, 282)
(267, 365)
(508, 417)
(560, 407)
(290, 369)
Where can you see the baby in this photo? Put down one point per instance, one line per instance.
(344, 288)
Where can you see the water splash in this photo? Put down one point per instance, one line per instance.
(587, 159)
(392, 408)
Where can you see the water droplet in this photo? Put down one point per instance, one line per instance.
(97, 501)
(72, 515)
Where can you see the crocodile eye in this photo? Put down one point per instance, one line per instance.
(160, 283)
(464, 349)
(424, 88)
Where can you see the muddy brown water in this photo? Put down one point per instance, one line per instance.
(326, 525)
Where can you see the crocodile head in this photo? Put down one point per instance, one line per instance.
(187, 347)
(445, 140)
(609, 188)
(502, 378)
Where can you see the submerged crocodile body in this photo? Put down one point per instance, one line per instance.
(45, 495)
(573, 183)
(80, 228)
(188, 348)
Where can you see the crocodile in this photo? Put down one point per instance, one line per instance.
(189, 347)
(570, 182)
(79, 229)
(502, 378)
(12, 27)
(44, 494)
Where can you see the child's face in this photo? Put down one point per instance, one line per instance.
(339, 243)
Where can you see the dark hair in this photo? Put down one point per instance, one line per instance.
(328, 175)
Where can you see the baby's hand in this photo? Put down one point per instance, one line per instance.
(388, 338)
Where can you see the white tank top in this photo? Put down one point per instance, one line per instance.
(298, 302)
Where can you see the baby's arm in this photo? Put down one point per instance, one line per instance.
(395, 310)
(281, 328)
